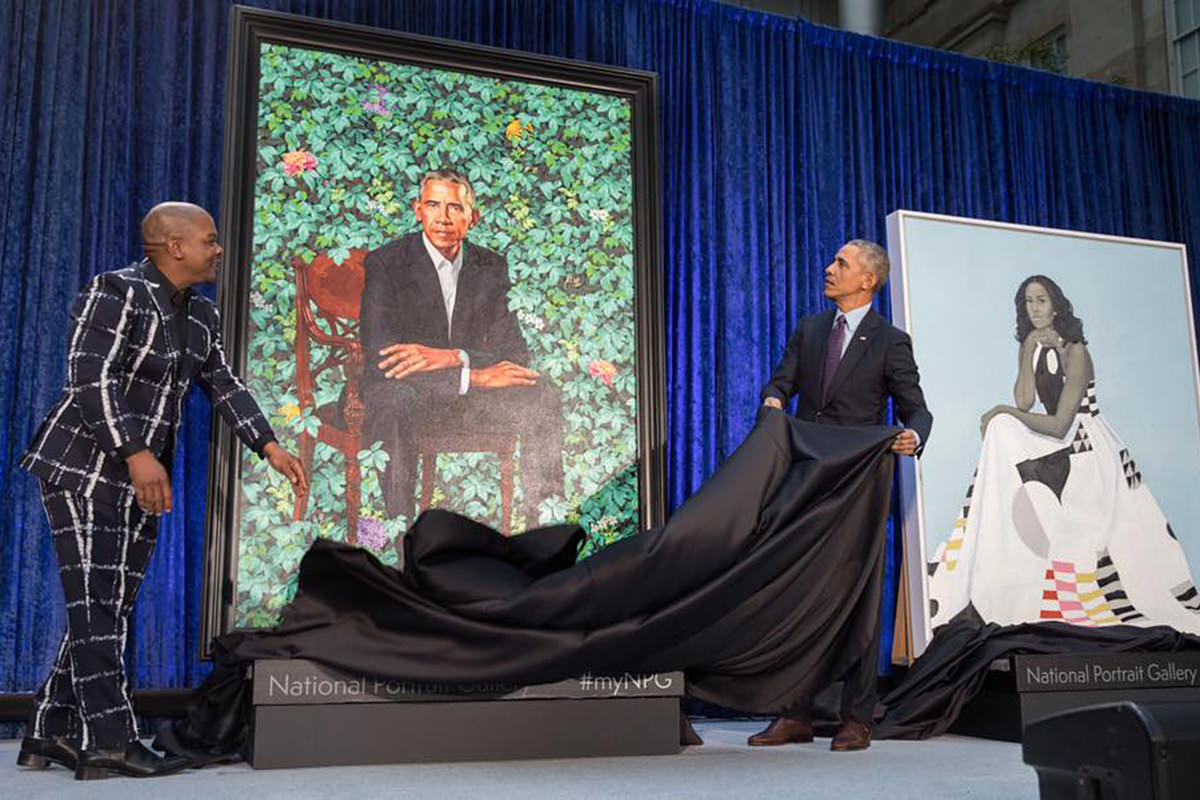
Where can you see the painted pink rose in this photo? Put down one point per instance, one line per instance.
(298, 161)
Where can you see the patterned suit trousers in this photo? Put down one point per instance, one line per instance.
(102, 552)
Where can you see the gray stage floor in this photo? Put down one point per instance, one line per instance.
(946, 767)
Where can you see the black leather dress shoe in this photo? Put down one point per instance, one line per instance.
(135, 761)
(39, 753)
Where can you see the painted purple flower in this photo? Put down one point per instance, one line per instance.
(378, 103)
(371, 534)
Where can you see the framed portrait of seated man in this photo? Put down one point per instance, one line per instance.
(442, 279)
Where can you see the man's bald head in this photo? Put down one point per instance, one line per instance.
(181, 239)
(171, 220)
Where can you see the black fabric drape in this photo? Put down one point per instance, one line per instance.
(764, 587)
(952, 669)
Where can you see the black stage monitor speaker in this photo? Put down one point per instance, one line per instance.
(1117, 751)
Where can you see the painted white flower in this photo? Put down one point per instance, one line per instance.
(598, 214)
(531, 320)
(605, 524)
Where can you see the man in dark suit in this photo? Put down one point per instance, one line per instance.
(443, 352)
(843, 365)
(140, 336)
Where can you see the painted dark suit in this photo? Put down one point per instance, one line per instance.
(402, 303)
(877, 365)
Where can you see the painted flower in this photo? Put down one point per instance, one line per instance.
(532, 321)
(290, 412)
(372, 534)
(514, 131)
(387, 209)
(605, 524)
(598, 214)
(378, 104)
(604, 370)
(298, 161)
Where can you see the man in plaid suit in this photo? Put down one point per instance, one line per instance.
(140, 336)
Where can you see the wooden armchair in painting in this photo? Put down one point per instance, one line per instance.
(330, 293)
(475, 440)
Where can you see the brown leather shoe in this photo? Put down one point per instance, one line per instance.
(853, 735)
(783, 730)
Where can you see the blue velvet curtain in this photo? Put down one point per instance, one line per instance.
(780, 141)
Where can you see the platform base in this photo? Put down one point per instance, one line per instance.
(397, 733)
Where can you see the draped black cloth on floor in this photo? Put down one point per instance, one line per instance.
(763, 588)
(951, 670)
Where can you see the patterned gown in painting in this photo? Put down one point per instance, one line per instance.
(1061, 529)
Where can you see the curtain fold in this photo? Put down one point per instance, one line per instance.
(780, 140)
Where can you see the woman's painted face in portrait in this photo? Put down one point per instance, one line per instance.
(1038, 305)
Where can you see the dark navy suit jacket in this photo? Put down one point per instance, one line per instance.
(878, 364)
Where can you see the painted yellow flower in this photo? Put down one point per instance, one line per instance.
(290, 412)
(513, 131)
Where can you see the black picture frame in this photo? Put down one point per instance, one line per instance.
(250, 29)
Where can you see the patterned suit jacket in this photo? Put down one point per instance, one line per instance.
(126, 381)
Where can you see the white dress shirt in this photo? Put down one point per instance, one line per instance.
(447, 273)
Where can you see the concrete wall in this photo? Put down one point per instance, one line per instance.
(1121, 41)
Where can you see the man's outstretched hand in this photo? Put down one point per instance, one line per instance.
(401, 360)
(501, 375)
(286, 465)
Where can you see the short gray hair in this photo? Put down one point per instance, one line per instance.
(875, 258)
(468, 193)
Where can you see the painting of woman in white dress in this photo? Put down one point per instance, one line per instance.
(1057, 523)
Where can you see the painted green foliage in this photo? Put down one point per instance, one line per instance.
(342, 143)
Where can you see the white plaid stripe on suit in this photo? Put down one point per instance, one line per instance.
(102, 552)
(127, 378)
